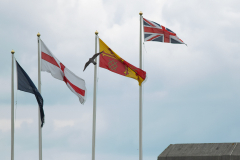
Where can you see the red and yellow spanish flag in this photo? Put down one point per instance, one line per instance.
(111, 61)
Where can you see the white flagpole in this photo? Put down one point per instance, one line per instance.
(12, 108)
(94, 100)
(140, 92)
(39, 89)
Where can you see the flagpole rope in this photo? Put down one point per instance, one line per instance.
(16, 107)
(16, 95)
(144, 47)
(98, 63)
(143, 88)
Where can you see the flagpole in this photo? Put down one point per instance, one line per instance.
(12, 108)
(94, 100)
(140, 92)
(39, 89)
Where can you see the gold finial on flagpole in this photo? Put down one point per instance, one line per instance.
(140, 13)
(12, 51)
(38, 34)
(96, 32)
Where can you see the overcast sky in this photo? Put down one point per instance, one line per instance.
(191, 94)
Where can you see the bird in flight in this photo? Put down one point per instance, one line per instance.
(91, 60)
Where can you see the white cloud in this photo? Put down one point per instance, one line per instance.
(5, 124)
(58, 124)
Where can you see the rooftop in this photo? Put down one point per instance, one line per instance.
(201, 151)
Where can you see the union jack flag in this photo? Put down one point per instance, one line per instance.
(156, 32)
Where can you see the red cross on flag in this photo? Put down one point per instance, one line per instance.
(52, 65)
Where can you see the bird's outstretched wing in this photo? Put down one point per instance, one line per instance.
(88, 62)
(91, 60)
(95, 55)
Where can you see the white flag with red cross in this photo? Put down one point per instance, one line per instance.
(52, 65)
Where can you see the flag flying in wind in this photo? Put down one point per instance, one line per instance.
(156, 32)
(24, 83)
(52, 65)
(111, 61)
